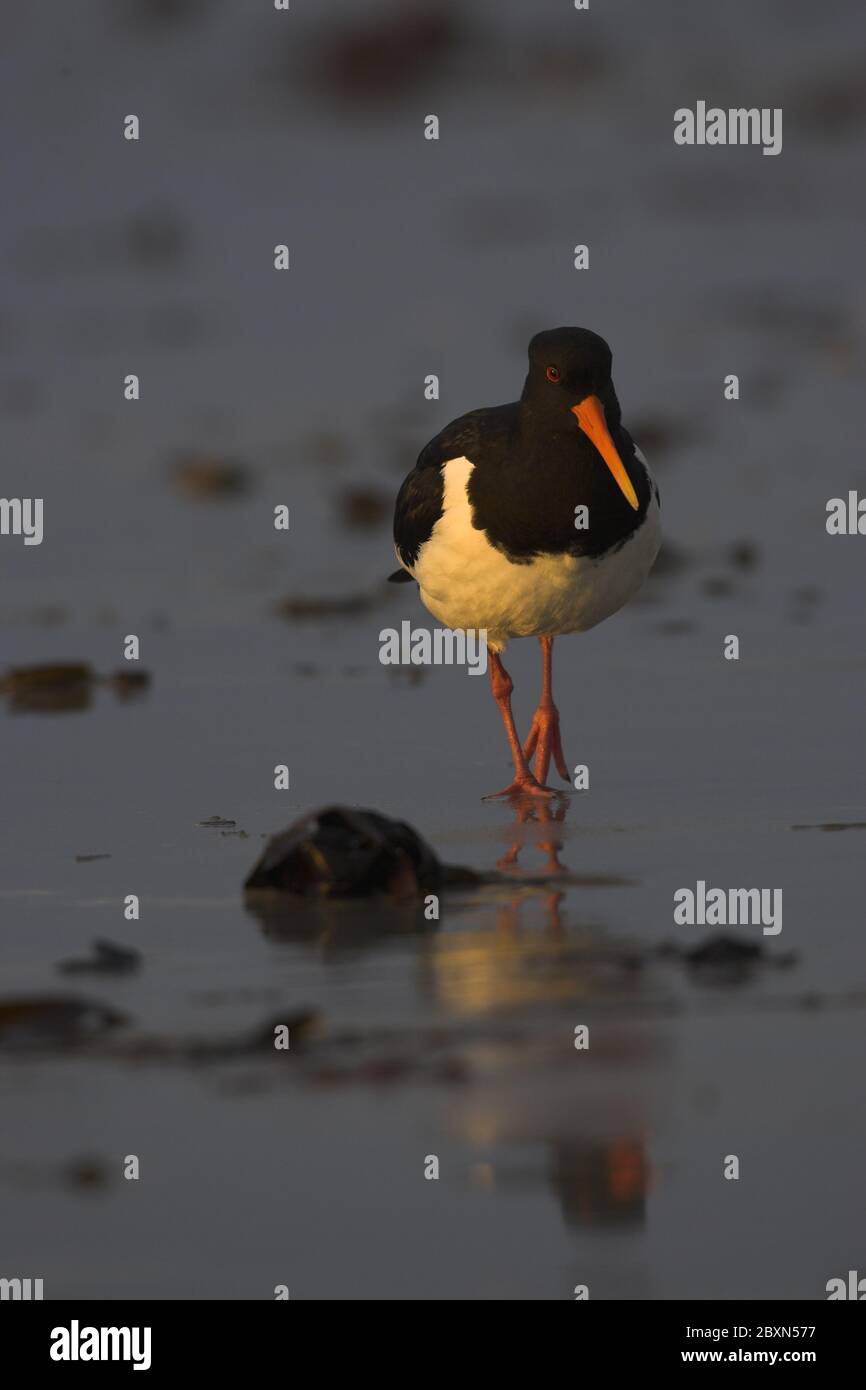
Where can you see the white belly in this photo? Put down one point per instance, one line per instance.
(466, 583)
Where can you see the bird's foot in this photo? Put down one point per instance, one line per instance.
(523, 786)
(545, 742)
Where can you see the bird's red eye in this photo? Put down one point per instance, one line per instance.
(553, 374)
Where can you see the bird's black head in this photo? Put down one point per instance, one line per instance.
(569, 385)
(565, 366)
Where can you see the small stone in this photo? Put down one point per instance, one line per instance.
(344, 852)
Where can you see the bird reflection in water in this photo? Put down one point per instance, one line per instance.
(543, 814)
(531, 954)
(600, 1183)
(531, 816)
(598, 1169)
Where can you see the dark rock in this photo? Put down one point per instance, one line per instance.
(36, 1022)
(128, 683)
(726, 956)
(61, 673)
(723, 950)
(64, 685)
(347, 852)
(107, 959)
(311, 608)
(49, 688)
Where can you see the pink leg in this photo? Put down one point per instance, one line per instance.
(524, 783)
(544, 739)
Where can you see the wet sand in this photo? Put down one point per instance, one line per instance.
(557, 1167)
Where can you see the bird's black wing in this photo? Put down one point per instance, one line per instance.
(419, 501)
(418, 508)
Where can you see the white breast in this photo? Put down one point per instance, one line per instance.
(466, 583)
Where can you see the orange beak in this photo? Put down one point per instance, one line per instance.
(590, 417)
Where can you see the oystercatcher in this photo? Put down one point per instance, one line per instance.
(532, 519)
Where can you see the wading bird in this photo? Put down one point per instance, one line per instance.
(532, 519)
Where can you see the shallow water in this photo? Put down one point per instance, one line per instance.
(557, 1167)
